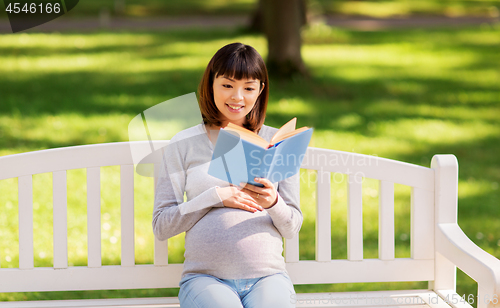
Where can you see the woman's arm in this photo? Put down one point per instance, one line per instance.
(282, 205)
(171, 214)
(286, 213)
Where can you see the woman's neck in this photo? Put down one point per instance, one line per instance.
(223, 125)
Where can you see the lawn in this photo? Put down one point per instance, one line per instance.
(404, 95)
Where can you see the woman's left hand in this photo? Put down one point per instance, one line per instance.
(266, 196)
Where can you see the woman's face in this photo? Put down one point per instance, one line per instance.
(235, 98)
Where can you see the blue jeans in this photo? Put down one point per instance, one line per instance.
(205, 291)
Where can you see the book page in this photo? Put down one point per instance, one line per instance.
(285, 129)
(292, 133)
(247, 135)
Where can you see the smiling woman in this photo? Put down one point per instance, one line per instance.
(233, 234)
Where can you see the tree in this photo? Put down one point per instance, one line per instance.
(281, 21)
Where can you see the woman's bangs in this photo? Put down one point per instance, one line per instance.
(239, 69)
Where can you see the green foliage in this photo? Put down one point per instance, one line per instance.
(404, 95)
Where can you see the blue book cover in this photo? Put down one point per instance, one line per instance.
(237, 160)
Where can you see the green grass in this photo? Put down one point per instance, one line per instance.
(404, 95)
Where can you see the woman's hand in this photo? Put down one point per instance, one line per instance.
(266, 196)
(235, 197)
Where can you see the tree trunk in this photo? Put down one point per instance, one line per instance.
(257, 19)
(283, 20)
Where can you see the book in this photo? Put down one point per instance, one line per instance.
(241, 155)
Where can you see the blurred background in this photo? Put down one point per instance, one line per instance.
(398, 79)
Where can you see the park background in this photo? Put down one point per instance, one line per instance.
(390, 82)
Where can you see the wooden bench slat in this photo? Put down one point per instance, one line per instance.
(161, 247)
(127, 215)
(75, 157)
(25, 190)
(153, 302)
(445, 204)
(386, 221)
(77, 278)
(422, 224)
(355, 218)
(94, 216)
(392, 299)
(60, 213)
(366, 270)
(369, 166)
(323, 217)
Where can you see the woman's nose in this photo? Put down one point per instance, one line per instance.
(237, 95)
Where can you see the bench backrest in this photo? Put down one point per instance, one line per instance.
(161, 274)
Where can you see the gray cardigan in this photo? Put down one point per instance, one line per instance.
(224, 242)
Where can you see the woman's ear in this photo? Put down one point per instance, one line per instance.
(262, 87)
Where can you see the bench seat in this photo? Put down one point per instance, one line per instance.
(391, 299)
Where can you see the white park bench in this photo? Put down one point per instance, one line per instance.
(438, 245)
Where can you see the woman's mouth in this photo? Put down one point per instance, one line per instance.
(234, 108)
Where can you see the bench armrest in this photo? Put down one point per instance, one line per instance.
(453, 244)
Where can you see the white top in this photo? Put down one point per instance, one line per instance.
(224, 242)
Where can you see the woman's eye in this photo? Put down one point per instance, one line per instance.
(226, 86)
(250, 89)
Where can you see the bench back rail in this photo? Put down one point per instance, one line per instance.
(161, 274)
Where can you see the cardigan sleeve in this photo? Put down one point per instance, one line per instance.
(172, 215)
(286, 214)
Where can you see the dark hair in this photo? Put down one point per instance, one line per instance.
(236, 61)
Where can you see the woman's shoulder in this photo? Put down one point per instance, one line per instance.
(188, 133)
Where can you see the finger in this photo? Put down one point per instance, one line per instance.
(254, 194)
(264, 182)
(247, 186)
(252, 188)
(252, 205)
(247, 208)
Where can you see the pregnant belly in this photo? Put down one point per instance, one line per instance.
(231, 236)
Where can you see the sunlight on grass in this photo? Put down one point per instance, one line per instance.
(354, 142)
(291, 107)
(111, 62)
(74, 129)
(473, 188)
(438, 131)
(377, 9)
(456, 112)
(104, 51)
(395, 8)
(404, 54)
(51, 42)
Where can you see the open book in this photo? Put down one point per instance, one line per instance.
(241, 155)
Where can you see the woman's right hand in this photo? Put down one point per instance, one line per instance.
(234, 197)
